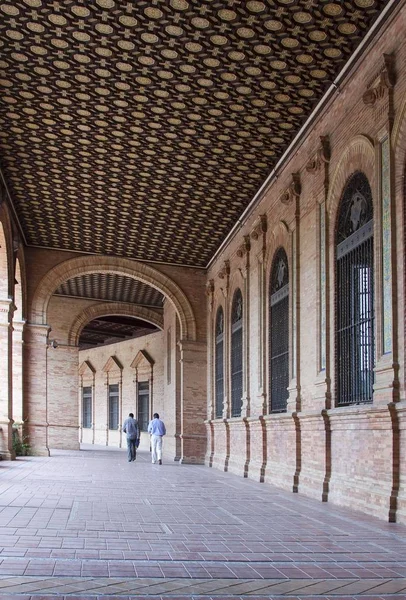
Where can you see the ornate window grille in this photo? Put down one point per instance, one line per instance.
(236, 354)
(355, 345)
(279, 333)
(113, 406)
(143, 405)
(219, 363)
(87, 407)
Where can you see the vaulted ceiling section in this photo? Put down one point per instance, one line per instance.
(144, 129)
(111, 288)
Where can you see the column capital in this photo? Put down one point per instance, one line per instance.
(35, 333)
(6, 311)
(192, 346)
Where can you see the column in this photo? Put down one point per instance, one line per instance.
(6, 398)
(62, 394)
(17, 369)
(35, 410)
(193, 361)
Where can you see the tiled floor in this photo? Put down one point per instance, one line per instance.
(89, 524)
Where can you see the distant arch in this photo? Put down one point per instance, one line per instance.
(112, 308)
(121, 266)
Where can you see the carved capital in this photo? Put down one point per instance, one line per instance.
(225, 270)
(210, 287)
(293, 191)
(322, 156)
(382, 83)
(260, 228)
(245, 247)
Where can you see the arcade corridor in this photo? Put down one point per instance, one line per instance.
(88, 524)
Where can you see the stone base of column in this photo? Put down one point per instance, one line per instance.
(7, 455)
(6, 440)
(193, 449)
(64, 437)
(281, 464)
(37, 437)
(258, 448)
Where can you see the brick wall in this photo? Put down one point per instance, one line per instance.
(348, 455)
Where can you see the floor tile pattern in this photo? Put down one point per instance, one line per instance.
(89, 524)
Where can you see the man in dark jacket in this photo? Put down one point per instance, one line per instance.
(132, 430)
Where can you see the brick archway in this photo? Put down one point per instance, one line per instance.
(120, 266)
(113, 308)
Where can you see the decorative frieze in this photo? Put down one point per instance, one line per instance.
(293, 191)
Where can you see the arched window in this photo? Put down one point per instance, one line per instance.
(236, 354)
(355, 293)
(219, 357)
(279, 333)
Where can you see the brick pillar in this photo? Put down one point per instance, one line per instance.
(17, 379)
(63, 406)
(35, 410)
(6, 398)
(193, 361)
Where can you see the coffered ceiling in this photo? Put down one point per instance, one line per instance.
(111, 330)
(108, 287)
(144, 129)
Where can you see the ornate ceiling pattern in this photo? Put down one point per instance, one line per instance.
(143, 129)
(111, 288)
(113, 329)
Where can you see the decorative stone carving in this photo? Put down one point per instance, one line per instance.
(260, 228)
(245, 247)
(293, 191)
(210, 293)
(322, 156)
(225, 271)
(382, 83)
(210, 287)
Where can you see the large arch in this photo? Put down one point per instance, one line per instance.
(112, 308)
(121, 266)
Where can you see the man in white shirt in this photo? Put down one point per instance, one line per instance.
(157, 430)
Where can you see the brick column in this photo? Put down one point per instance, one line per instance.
(35, 410)
(62, 394)
(6, 398)
(17, 377)
(193, 362)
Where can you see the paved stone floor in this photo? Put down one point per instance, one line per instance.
(90, 525)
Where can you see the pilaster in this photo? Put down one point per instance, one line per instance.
(17, 370)
(6, 398)
(193, 361)
(35, 409)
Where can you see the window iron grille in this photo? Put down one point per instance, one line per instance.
(113, 406)
(87, 407)
(279, 333)
(355, 344)
(219, 364)
(236, 354)
(143, 405)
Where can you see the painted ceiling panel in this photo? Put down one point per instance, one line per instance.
(144, 129)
